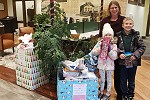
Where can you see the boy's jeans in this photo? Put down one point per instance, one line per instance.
(127, 80)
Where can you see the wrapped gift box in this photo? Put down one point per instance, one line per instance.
(28, 72)
(78, 89)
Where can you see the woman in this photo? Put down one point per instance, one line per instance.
(115, 20)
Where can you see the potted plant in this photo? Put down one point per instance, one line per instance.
(48, 40)
(49, 44)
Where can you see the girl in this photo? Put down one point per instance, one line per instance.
(107, 53)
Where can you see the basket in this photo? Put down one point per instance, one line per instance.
(75, 36)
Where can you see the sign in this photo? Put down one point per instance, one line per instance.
(79, 91)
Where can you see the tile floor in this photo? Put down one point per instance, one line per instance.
(11, 91)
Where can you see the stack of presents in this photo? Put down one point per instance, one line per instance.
(28, 71)
(77, 81)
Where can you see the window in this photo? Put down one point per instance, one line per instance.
(141, 3)
(1, 6)
(137, 2)
(134, 2)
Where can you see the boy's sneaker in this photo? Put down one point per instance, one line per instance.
(124, 98)
(130, 98)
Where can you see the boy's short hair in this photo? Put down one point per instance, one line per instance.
(128, 18)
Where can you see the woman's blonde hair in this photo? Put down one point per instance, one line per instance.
(115, 3)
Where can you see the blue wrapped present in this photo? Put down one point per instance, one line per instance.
(78, 89)
(91, 62)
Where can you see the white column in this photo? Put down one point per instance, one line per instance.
(38, 6)
(10, 6)
(146, 11)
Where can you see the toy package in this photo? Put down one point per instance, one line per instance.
(128, 62)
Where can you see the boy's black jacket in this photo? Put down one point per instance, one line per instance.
(137, 47)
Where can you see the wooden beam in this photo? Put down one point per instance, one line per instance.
(101, 10)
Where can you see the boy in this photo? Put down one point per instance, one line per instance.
(130, 49)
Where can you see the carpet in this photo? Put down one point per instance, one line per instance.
(9, 59)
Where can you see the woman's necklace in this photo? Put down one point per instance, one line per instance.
(114, 18)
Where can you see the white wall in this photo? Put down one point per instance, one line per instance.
(137, 13)
(19, 11)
